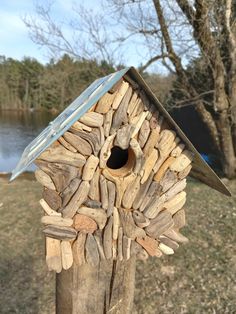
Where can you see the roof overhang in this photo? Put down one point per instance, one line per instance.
(201, 170)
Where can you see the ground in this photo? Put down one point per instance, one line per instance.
(199, 278)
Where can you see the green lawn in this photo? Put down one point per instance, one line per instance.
(199, 278)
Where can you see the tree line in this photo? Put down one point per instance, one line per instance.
(30, 85)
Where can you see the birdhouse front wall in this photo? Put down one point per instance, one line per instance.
(114, 183)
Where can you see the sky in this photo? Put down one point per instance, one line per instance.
(15, 41)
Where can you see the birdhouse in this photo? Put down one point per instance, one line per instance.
(113, 167)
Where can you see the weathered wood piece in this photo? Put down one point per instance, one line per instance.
(142, 192)
(48, 210)
(116, 223)
(90, 167)
(66, 255)
(139, 123)
(150, 245)
(160, 224)
(60, 233)
(129, 227)
(98, 239)
(168, 180)
(144, 133)
(176, 236)
(94, 192)
(166, 249)
(179, 219)
(107, 239)
(120, 244)
(139, 219)
(84, 224)
(126, 247)
(61, 174)
(120, 94)
(67, 145)
(155, 205)
(59, 154)
(105, 103)
(172, 244)
(183, 174)
(177, 150)
(104, 192)
(91, 138)
(52, 198)
(120, 115)
(56, 221)
(81, 145)
(154, 190)
(149, 165)
(123, 136)
(78, 249)
(105, 152)
(97, 214)
(178, 187)
(81, 126)
(151, 142)
(70, 191)
(53, 255)
(92, 119)
(107, 122)
(130, 193)
(162, 170)
(138, 109)
(77, 200)
(111, 197)
(92, 203)
(181, 162)
(91, 251)
(132, 103)
(138, 155)
(175, 203)
(44, 179)
(166, 141)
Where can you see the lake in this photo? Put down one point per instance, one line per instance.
(17, 130)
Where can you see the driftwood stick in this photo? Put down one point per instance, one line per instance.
(107, 122)
(116, 224)
(120, 94)
(57, 221)
(81, 145)
(66, 255)
(44, 179)
(130, 193)
(52, 198)
(70, 191)
(84, 224)
(67, 145)
(90, 167)
(92, 119)
(138, 155)
(111, 197)
(142, 192)
(78, 249)
(77, 200)
(94, 192)
(123, 136)
(106, 151)
(149, 165)
(120, 244)
(120, 115)
(48, 210)
(53, 254)
(104, 192)
(60, 233)
(144, 133)
(97, 214)
(160, 224)
(150, 245)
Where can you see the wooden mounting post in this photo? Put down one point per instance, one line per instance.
(108, 288)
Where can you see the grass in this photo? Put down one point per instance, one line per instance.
(198, 278)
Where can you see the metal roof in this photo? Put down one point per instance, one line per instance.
(85, 101)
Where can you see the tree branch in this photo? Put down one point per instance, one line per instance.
(152, 60)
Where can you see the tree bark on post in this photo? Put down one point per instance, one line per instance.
(85, 289)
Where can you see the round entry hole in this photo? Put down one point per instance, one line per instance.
(119, 157)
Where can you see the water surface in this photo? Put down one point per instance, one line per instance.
(17, 130)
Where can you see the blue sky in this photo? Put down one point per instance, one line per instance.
(14, 38)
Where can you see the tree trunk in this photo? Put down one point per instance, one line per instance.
(87, 290)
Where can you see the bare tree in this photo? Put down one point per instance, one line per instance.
(166, 32)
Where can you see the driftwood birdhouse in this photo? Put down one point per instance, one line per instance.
(113, 167)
